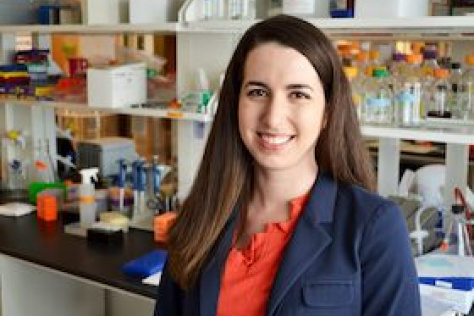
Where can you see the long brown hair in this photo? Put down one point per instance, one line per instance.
(225, 175)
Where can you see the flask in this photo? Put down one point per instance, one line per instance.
(87, 203)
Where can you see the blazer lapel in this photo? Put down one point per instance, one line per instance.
(210, 280)
(308, 241)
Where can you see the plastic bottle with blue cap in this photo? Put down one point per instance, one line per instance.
(87, 203)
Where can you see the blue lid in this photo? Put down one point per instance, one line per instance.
(457, 283)
(338, 13)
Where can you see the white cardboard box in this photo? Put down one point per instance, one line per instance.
(391, 9)
(104, 11)
(152, 11)
(118, 86)
(462, 300)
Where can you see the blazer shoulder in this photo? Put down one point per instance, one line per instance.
(365, 203)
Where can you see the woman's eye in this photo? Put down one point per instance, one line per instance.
(300, 95)
(257, 93)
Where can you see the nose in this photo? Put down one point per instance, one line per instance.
(274, 111)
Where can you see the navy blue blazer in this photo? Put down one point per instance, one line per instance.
(348, 256)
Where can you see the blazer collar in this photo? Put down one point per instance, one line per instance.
(308, 240)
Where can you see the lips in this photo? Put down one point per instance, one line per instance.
(274, 141)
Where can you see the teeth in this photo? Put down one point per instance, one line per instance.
(275, 140)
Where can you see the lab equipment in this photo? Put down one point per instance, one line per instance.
(103, 153)
(341, 8)
(391, 9)
(448, 278)
(162, 224)
(457, 234)
(121, 182)
(117, 86)
(378, 101)
(16, 209)
(439, 95)
(87, 203)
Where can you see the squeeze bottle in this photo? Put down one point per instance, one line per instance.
(87, 203)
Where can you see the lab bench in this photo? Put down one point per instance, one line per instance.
(45, 271)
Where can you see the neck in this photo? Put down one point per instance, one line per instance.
(274, 188)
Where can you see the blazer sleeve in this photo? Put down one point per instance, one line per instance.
(389, 278)
(170, 297)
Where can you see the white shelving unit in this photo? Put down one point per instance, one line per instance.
(209, 44)
(168, 113)
(162, 28)
(201, 37)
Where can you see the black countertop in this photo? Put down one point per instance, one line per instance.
(46, 244)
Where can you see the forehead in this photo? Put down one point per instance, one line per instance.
(273, 60)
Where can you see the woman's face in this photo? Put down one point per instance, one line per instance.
(281, 108)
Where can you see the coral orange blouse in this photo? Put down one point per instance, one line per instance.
(249, 272)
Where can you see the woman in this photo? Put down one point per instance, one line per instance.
(280, 219)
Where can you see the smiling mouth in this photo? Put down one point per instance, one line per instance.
(273, 141)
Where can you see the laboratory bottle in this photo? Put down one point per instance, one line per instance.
(373, 62)
(429, 64)
(397, 64)
(468, 86)
(356, 89)
(438, 106)
(455, 93)
(234, 9)
(274, 7)
(207, 10)
(408, 93)
(457, 241)
(249, 9)
(362, 63)
(379, 99)
(87, 202)
(302, 8)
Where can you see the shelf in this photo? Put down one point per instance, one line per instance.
(459, 27)
(165, 28)
(149, 112)
(461, 135)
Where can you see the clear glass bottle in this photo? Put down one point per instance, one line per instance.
(408, 93)
(455, 91)
(379, 99)
(234, 9)
(249, 9)
(356, 88)
(468, 86)
(438, 106)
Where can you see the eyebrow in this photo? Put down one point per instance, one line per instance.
(289, 87)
